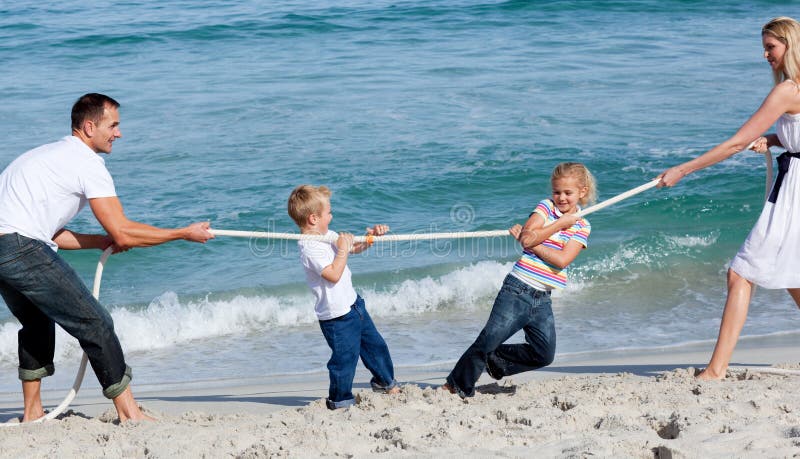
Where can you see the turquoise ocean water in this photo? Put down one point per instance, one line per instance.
(427, 116)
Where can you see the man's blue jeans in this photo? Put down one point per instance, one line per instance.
(42, 290)
(350, 336)
(518, 306)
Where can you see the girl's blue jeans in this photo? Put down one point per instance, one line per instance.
(518, 306)
(42, 290)
(351, 336)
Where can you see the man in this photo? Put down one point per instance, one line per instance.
(40, 192)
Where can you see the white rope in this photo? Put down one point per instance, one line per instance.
(619, 197)
(386, 238)
(421, 236)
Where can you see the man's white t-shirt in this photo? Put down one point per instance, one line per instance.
(333, 300)
(44, 188)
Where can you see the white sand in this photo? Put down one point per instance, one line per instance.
(611, 405)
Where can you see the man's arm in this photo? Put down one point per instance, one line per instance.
(70, 240)
(128, 233)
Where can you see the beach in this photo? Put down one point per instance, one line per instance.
(603, 405)
(428, 116)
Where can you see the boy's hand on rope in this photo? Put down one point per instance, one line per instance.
(515, 231)
(345, 242)
(378, 230)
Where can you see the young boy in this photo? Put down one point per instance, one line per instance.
(342, 316)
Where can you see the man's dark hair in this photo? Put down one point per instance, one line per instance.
(90, 107)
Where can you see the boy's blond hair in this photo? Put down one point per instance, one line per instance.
(306, 200)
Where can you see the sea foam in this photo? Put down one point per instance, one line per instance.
(170, 321)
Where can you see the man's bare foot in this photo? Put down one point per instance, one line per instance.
(32, 400)
(128, 409)
(33, 415)
(140, 417)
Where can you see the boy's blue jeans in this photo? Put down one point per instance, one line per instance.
(42, 290)
(350, 336)
(518, 306)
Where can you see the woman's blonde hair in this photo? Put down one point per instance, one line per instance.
(787, 31)
(584, 177)
(306, 200)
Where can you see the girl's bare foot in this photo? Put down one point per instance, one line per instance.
(448, 388)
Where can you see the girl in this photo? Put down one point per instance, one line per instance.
(551, 238)
(769, 255)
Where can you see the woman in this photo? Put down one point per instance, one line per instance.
(770, 254)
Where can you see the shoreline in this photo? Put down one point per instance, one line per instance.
(276, 392)
(645, 404)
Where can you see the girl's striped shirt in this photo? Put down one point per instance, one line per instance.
(538, 273)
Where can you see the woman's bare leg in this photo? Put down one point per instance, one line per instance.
(733, 318)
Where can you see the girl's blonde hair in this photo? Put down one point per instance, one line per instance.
(787, 31)
(306, 200)
(584, 177)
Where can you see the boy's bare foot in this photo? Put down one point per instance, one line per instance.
(394, 390)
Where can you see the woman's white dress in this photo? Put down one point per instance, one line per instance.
(770, 256)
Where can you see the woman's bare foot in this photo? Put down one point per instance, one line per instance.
(709, 375)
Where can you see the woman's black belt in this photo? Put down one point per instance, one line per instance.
(783, 167)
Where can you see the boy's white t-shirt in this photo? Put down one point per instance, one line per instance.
(44, 188)
(333, 300)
